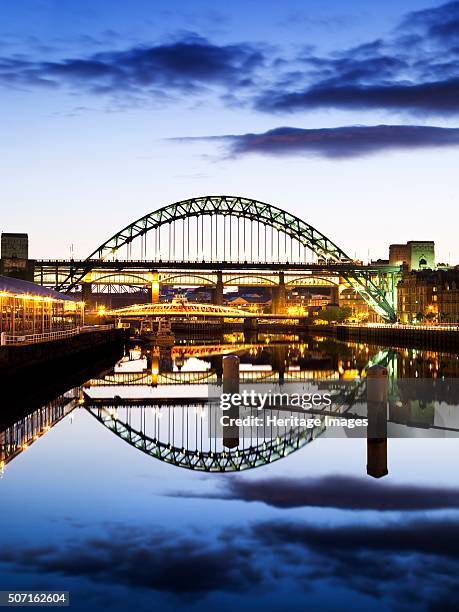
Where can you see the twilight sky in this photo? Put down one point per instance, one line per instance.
(346, 114)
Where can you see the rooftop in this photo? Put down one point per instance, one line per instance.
(19, 287)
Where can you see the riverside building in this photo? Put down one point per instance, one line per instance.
(30, 309)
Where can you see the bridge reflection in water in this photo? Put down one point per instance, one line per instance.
(135, 400)
(187, 436)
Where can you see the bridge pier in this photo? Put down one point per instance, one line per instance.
(217, 291)
(334, 295)
(278, 361)
(279, 296)
(154, 289)
(216, 363)
(250, 329)
(153, 366)
(86, 292)
(335, 291)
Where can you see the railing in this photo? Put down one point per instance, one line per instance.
(20, 339)
(416, 327)
(108, 263)
(90, 328)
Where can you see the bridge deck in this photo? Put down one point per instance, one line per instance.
(154, 264)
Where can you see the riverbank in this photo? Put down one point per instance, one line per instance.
(36, 360)
(402, 336)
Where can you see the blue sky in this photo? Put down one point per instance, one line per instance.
(344, 114)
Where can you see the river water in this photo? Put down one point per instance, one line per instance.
(122, 493)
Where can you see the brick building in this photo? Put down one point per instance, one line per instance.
(429, 296)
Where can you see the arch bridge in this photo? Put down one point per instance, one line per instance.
(222, 241)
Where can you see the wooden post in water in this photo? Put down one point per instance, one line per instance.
(377, 421)
(231, 385)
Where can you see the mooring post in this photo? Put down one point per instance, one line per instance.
(377, 421)
(231, 386)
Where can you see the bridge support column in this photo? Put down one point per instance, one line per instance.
(216, 363)
(335, 292)
(278, 361)
(279, 296)
(165, 363)
(154, 368)
(377, 421)
(217, 291)
(250, 329)
(86, 292)
(154, 288)
(334, 295)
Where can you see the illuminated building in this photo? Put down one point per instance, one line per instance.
(27, 308)
(429, 296)
(352, 299)
(416, 254)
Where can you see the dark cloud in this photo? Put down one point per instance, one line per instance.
(439, 23)
(336, 491)
(425, 536)
(415, 69)
(339, 142)
(402, 563)
(166, 562)
(440, 97)
(406, 564)
(184, 65)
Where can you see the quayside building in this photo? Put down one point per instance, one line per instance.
(30, 309)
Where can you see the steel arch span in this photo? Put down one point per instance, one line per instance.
(244, 208)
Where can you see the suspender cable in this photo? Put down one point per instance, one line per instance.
(238, 220)
(265, 253)
(230, 241)
(258, 241)
(202, 236)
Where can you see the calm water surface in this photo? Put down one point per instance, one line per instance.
(101, 503)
